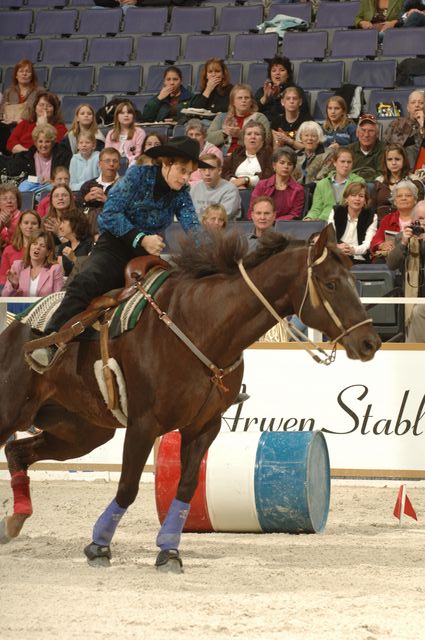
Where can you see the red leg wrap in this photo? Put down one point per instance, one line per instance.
(21, 493)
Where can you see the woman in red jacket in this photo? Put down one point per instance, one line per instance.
(405, 196)
(286, 193)
(45, 110)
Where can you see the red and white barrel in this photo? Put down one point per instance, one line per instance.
(252, 482)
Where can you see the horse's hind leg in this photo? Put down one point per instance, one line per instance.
(192, 451)
(71, 437)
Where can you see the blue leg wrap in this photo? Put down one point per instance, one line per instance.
(172, 527)
(104, 529)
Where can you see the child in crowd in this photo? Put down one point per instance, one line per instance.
(60, 176)
(285, 125)
(84, 164)
(338, 128)
(84, 121)
(29, 221)
(125, 136)
(214, 216)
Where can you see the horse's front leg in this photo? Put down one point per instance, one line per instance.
(192, 451)
(138, 443)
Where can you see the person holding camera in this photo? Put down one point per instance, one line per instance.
(408, 255)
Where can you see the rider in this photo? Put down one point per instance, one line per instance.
(132, 222)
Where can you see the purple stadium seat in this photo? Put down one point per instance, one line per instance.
(332, 15)
(297, 10)
(321, 75)
(202, 47)
(15, 23)
(70, 104)
(51, 22)
(255, 47)
(305, 46)
(158, 49)
(119, 80)
(192, 20)
(64, 50)
(155, 77)
(74, 80)
(13, 50)
(355, 43)
(239, 20)
(257, 73)
(95, 22)
(387, 96)
(150, 20)
(373, 73)
(113, 50)
(404, 42)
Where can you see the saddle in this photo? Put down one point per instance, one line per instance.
(100, 308)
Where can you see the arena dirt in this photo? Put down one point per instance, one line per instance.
(363, 579)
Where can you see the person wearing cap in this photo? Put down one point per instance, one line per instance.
(409, 131)
(368, 151)
(138, 210)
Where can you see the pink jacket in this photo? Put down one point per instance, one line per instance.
(293, 196)
(6, 233)
(50, 280)
(132, 148)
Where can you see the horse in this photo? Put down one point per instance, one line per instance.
(170, 386)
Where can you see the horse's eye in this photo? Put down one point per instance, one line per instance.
(330, 286)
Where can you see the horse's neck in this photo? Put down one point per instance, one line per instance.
(244, 318)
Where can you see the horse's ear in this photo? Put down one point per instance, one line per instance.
(319, 241)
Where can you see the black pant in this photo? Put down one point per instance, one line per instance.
(103, 271)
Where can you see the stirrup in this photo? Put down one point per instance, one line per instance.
(39, 368)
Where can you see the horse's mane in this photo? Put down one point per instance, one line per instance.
(215, 252)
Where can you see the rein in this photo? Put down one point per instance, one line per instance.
(316, 294)
(218, 373)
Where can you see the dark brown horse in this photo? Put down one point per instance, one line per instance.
(168, 387)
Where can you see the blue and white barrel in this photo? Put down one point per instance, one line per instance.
(253, 482)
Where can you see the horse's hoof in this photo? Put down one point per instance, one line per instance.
(98, 555)
(169, 561)
(4, 536)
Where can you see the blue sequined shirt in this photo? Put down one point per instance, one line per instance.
(131, 208)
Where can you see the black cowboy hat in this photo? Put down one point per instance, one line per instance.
(179, 147)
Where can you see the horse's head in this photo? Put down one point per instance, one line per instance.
(331, 303)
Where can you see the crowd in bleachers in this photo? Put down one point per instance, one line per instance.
(309, 121)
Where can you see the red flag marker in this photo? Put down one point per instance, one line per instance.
(403, 505)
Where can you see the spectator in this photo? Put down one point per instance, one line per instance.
(338, 128)
(44, 110)
(311, 136)
(396, 169)
(38, 273)
(173, 97)
(125, 136)
(251, 162)
(279, 77)
(329, 191)
(378, 14)
(93, 193)
(355, 224)
(197, 130)
(84, 120)
(16, 98)
(212, 189)
(215, 87)
(10, 205)
(263, 216)
(84, 164)
(151, 140)
(76, 239)
(408, 255)
(286, 193)
(61, 201)
(41, 159)
(285, 125)
(214, 216)
(412, 14)
(225, 131)
(29, 221)
(368, 152)
(405, 197)
(60, 175)
(409, 131)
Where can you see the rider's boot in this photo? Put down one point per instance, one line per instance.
(44, 356)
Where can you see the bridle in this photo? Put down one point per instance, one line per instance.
(313, 291)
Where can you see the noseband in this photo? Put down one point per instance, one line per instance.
(314, 291)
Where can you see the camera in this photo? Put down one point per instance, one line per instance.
(417, 228)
